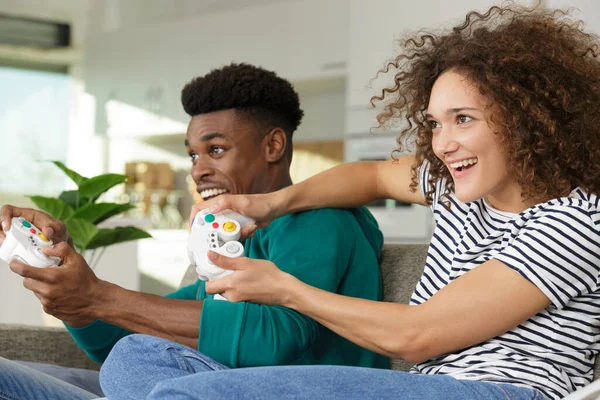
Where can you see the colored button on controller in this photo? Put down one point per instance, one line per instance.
(43, 237)
(26, 224)
(33, 231)
(229, 226)
(209, 218)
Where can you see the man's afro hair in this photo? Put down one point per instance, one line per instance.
(252, 91)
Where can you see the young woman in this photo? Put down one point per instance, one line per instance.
(504, 111)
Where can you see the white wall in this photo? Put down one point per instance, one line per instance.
(147, 66)
(586, 10)
(376, 26)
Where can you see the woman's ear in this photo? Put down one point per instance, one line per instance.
(276, 145)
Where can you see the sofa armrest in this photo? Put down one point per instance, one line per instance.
(51, 345)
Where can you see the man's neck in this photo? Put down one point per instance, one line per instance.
(280, 182)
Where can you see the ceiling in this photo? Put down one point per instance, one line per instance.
(139, 10)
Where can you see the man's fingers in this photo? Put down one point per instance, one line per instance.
(52, 228)
(27, 271)
(6, 214)
(222, 261)
(40, 289)
(61, 250)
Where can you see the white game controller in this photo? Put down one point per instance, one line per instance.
(23, 242)
(217, 232)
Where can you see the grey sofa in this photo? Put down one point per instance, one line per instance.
(401, 267)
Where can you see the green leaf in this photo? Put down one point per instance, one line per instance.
(108, 237)
(73, 198)
(81, 231)
(54, 207)
(98, 212)
(75, 177)
(94, 187)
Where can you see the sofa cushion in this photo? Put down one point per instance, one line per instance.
(401, 267)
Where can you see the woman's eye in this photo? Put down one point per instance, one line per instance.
(433, 124)
(463, 119)
(216, 150)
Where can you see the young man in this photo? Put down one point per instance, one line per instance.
(239, 141)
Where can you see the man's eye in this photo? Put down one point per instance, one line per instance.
(194, 156)
(217, 150)
(463, 119)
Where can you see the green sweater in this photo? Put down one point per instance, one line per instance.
(332, 249)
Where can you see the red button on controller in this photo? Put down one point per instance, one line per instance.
(32, 231)
(215, 225)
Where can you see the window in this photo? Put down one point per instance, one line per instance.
(34, 122)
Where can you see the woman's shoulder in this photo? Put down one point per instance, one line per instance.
(576, 216)
(578, 202)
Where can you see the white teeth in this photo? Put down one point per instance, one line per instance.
(212, 192)
(464, 163)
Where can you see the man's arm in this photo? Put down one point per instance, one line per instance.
(98, 338)
(99, 313)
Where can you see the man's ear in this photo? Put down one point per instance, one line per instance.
(276, 145)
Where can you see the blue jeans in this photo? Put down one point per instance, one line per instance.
(19, 382)
(167, 370)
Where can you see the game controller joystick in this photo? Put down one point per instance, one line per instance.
(23, 242)
(220, 233)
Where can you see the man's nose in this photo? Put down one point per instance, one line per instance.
(201, 170)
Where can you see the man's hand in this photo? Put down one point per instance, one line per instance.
(54, 229)
(69, 292)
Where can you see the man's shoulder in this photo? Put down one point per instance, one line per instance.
(351, 224)
(330, 218)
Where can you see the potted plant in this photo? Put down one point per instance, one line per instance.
(81, 213)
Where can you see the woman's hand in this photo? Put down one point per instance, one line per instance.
(260, 207)
(54, 229)
(256, 281)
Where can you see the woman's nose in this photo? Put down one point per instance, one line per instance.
(444, 143)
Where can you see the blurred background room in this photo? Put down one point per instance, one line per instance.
(96, 85)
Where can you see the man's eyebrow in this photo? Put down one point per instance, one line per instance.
(456, 110)
(209, 136)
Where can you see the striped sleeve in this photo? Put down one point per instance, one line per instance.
(424, 184)
(558, 250)
(423, 177)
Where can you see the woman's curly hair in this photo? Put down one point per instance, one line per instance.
(541, 73)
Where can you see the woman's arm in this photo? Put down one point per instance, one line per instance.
(485, 302)
(344, 186)
(351, 185)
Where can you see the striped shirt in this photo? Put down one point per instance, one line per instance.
(556, 246)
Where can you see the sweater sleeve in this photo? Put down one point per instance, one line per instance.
(312, 246)
(98, 338)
